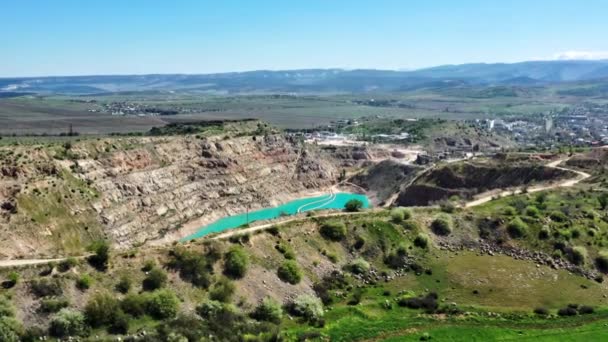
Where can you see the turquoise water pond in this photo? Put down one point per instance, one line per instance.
(330, 201)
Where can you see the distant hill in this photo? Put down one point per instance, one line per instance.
(321, 80)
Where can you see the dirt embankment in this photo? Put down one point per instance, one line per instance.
(385, 179)
(595, 160)
(466, 179)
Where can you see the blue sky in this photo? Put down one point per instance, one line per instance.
(75, 37)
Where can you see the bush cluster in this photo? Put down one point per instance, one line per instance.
(236, 262)
(442, 225)
(193, 267)
(517, 228)
(308, 307)
(358, 266)
(290, 272)
(353, 205)
(333, 230)
(428, 303)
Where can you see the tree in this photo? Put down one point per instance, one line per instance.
(268, 310)
(602, 261)
(99, 259)
(603, 199)
(194, 267)
(222, 290)
(236, 262)
(333, 230)
(124, 284)
(100, 309)
(155, 280)
(68, 323)
(353, 205)
(517, 228)
(308, 307)
(163, 304)
(289, 272)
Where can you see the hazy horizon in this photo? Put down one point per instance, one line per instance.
(67, 38)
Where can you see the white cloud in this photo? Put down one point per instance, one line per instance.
(581, 55)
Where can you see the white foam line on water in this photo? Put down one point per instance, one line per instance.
(331, 199)
(313, 202)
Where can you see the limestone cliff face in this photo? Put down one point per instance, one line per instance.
(149, 191)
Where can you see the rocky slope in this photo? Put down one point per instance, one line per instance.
(57, 198)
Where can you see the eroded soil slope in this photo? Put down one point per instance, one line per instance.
(465, 179)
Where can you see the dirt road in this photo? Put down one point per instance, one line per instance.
(567, 183)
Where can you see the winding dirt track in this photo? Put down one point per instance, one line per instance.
(481, 200)
(567, 183)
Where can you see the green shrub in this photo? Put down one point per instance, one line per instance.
(194, 267)
(149, 265)
(399, 215)
(541, 311)
(308, 307)
(509, 211)
(578, 255)
(274, 230)
(236, 262)
(285, 250)
(268, 310)
(358, 266)
(6, 307)
(333, 230)
(84, 282)
(120, 323)
(222, 290)
(155, 279)
(34, 333)
(10, 330)
(101, 256)
(68, 264)
(428, 303)
(68, 323)
(46, 287)
(602, 261)
(544, 233)
(517, 228)
(410, 225)
(209, 309)
(100, 309)
(353, 205)
(421, 241)
(162, 304)
(447, 206)
(12, 279)
(558, 216)
(603, 201)
(52, 305)
(124, 284)
(134, 304)
(289, 272)
(532, 211)
(442, 225)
